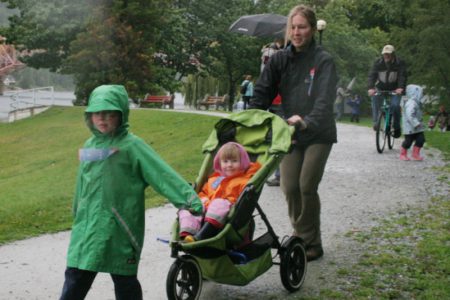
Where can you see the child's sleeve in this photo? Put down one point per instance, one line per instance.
(165, 180)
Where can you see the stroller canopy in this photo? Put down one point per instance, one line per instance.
(253, 129)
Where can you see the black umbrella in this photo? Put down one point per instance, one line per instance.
(262, 25)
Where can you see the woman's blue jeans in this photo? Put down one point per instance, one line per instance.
(78, 282)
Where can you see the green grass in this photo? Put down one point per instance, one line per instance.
(408, 255)
(38, 163)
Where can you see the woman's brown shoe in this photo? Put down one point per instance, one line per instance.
(314, 252)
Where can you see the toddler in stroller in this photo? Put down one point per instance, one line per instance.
(233, 169)
(233, 256)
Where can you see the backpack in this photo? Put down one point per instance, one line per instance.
(244, 88)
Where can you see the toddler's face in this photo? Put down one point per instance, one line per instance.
(106, 121)
(230, 166)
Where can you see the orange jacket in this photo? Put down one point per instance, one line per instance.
(229, 188)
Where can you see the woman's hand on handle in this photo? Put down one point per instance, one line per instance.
(297, 121)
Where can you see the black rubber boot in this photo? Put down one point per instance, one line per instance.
(207, 231)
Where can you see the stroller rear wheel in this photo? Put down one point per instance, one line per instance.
(184, 280)
(293, 264)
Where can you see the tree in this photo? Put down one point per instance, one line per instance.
(224, 55)
(426, 46)
(115, 48)
(349, 46)
(418, 30)
(45, 29)
(178, 48)
(5, 13)
(99, 41)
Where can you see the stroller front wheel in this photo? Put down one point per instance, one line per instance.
(184, 280)
(293, 264)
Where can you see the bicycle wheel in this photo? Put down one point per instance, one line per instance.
(390, 140)
(184, 280)
(380, 135)
(390, 134)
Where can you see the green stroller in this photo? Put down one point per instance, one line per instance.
(234, 256)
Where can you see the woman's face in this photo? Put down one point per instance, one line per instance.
(106, 121)
(301, 32)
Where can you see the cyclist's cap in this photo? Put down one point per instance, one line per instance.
(388, 49)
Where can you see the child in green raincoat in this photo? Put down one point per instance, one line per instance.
(115, 168)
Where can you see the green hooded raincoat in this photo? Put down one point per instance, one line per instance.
(108, 229)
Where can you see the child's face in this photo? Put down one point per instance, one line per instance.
(230, 166)
(106, 121)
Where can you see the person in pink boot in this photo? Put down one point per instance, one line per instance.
(413, 126)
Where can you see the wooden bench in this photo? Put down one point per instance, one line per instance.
(158, 101)
(219, 102)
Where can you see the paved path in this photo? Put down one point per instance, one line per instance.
(359, 186)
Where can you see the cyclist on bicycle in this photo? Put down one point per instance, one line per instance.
(388, 73)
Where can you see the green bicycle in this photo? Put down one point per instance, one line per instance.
(384, 126)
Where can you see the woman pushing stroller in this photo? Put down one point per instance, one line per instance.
(232, 170)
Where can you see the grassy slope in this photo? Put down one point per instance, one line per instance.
(38, 163)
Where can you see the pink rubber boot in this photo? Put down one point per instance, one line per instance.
(416, 153)
(404, 154)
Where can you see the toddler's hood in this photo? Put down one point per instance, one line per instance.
(245, 159)
(108, 97)
(415, 93)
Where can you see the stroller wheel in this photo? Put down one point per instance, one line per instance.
(293, 264)
(184, 280)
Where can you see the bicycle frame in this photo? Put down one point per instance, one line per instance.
(385, 108)
(384, 122)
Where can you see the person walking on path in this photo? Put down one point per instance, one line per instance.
(108, 208)
(341, 94)
(355, 104)
(275, 108)
(247, 90)
(270, 49)
(413, 126)
(443, 119)
(431, 123)
(388, 73)
(305, 76)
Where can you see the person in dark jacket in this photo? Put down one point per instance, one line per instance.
(305, 76)
(388, 73)
(354, 104)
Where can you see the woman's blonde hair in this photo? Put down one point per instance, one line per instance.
(303, 10)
